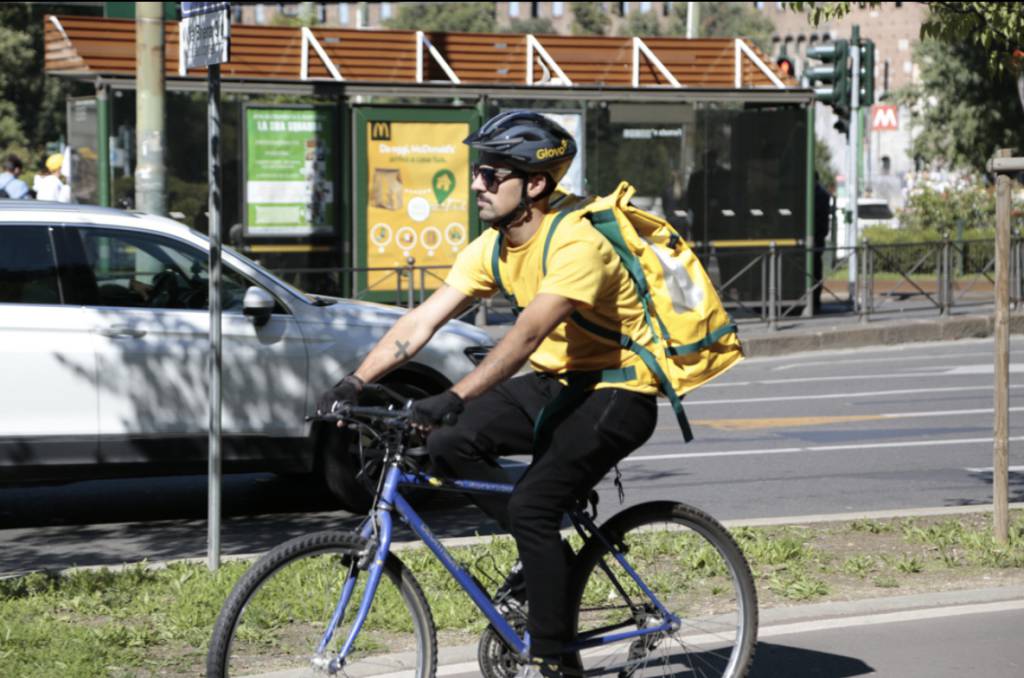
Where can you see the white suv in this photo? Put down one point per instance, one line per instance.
(104, 342)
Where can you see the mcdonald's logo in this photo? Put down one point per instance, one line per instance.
(380, 131)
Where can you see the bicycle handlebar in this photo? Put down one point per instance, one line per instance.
(396, 413)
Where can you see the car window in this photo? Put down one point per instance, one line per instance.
(876, 211)
(151, 271)
(28, 269)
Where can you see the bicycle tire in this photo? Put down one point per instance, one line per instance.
(273, 620)
(696, 570)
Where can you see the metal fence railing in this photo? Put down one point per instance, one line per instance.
(762, 284)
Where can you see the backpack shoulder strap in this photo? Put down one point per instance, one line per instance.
(547, 242)
(496, 273)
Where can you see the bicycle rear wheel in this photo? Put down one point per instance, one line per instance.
(694, 568)
(278, 612)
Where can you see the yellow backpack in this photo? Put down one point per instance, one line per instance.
(695, 339)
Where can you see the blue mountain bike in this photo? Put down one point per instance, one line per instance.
(660, 589)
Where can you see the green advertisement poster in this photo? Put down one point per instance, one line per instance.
(290, 170)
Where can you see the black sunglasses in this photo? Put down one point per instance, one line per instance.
(493, 176)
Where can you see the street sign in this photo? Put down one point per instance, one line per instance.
(885, 118)
(205, 33)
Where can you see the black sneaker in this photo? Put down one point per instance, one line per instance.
(513, 587)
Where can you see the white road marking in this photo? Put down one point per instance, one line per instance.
(813, 448)
(824, 420)
(988, 469)
(849, 377)
(819, 396)
(936, 357)
(983, 369)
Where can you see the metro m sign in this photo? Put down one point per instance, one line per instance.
(885, 118)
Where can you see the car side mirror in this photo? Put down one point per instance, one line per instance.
(258, 305)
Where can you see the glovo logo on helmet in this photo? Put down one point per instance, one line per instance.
(545, 153)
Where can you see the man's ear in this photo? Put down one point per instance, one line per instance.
(536, 185)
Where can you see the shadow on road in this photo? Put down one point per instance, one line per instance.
(773, 661)
(125, 521)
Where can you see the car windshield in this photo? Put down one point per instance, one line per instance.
(309, 298)
(304, 296)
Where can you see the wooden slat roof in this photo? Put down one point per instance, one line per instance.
(90, 46)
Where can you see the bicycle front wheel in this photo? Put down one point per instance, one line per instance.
(279, 611)
(695, 570)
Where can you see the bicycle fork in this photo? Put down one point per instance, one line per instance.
(373, 560)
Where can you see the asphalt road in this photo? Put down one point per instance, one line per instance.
(878, 428)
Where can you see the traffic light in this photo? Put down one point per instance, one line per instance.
(867, 72)
(833, 74)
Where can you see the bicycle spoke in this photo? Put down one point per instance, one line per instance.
(695, 570)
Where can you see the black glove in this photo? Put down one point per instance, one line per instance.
(442, 408)
(345, 391)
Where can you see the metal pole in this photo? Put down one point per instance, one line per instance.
(213, 169)
(773, 290)
(411, 301)
(854, 159)
(103, 144)
(765, 263)
(811, 252)
(150, 195)
(1001, 427)
(865, 277)
(1015, 263)
(945, 292)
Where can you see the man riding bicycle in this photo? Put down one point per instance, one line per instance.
(586, 404)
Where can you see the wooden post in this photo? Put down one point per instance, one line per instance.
(1000, 434)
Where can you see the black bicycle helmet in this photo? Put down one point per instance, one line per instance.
(528, 142)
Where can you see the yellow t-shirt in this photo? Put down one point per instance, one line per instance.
(583, 267)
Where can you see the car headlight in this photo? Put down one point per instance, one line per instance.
(476, 354)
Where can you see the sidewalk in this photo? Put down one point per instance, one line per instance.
(838, 328)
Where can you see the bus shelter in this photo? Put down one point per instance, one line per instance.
(342, 148)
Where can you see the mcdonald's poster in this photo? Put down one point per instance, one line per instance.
(417, 197)
(289, 171)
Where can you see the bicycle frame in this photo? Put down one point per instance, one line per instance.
(380, 522)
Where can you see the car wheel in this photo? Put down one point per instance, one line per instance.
(340, 464)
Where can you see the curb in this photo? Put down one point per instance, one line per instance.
(876, 333)
(759, 341)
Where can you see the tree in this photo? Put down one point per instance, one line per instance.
(445, 17)
(642, 24)
(726, 20)
(589, 18)
(32, 106)
(994, 27)
(534, 25)
(964, 113)
(824, 170)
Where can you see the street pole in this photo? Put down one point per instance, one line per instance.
(103, 144)
(1001, 397)
(213, 171)
(854, 161)
(692, 19)
(150, 195)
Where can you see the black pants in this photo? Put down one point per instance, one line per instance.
(584, 443)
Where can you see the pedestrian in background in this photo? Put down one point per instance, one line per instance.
(50, 185)
(10, 185)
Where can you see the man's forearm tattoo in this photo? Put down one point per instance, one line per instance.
(400, 350)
